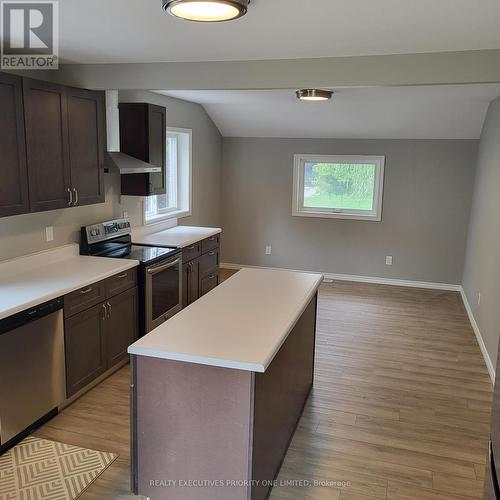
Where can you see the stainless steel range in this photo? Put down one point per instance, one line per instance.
(159, 273)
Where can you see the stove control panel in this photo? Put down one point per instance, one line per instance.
(106, 230)
(116, 227)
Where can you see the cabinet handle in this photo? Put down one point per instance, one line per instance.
(87, 290)
(212, 238)
(212, 276)
(104, 312)
(191, 247)
(109, 311)
(76, 197)
(124, 275)
(211, 253)
(70, 202)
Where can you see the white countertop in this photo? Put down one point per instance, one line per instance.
(240, 324)
(179, 236)
(33, 279)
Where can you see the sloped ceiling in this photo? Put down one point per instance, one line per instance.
(425, 112)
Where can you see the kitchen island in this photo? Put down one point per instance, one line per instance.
(218, 390)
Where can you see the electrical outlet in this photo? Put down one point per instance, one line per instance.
(125, 214)
(479, 299)
(49, 233)
(388, 260)
(268, 250)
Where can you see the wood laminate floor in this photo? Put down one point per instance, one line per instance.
(399, 410)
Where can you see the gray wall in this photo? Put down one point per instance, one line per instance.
(482, 263)
(24, 234)
(427, 198)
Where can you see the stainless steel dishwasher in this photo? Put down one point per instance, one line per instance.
(32, 369)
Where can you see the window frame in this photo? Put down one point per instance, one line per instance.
(184, 178)
(298, 209)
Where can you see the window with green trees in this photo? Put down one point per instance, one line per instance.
(338, 186)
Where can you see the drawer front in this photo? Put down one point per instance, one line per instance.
(84, 298)
(121, 282)
(209, 262)
(210, 243)
(209, 282)
(191, 252)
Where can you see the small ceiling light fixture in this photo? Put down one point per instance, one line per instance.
(206, 10)
(314, 94)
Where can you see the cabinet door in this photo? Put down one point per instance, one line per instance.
(86, 145)
(121, 328)
(190, 282)
(209, 283)
(84, 340)
(14, 184)
(45, 111)
(157, 130)
(186, 281)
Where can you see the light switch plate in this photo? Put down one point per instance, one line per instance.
(388, 260)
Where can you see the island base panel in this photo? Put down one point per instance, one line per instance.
(280, 396)
(192, 423)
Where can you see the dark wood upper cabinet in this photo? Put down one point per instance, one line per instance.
(86, 136)
(14, 175)
(45, 111)
(52, 141)
(143, 128)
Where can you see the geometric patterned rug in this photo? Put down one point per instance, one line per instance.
(39, 469)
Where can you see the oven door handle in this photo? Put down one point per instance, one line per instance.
(158, 269)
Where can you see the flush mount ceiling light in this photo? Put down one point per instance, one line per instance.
(314, 94)
(206, 10)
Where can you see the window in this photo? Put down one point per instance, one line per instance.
(343, 187)
(176, 202)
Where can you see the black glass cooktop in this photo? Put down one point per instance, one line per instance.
(145, 255)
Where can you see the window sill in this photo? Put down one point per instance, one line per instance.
(338, 215)
(176, 214)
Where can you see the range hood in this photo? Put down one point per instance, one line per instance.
(116, 162)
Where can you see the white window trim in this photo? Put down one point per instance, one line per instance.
(183, 212)
(298, 209)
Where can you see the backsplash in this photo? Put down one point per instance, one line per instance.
(23, 234)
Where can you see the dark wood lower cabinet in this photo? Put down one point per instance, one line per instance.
(190, 282)
(97, 335)
(85, 348)
(200, 270)
(209, 283)
(121, 326)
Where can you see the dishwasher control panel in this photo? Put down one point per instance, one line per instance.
(29, 315)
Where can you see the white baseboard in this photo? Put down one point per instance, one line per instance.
(361, 279)
(477, 332)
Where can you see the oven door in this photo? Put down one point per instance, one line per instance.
(163, 291)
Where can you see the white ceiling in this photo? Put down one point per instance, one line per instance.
(438, 112)
(102, 31)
